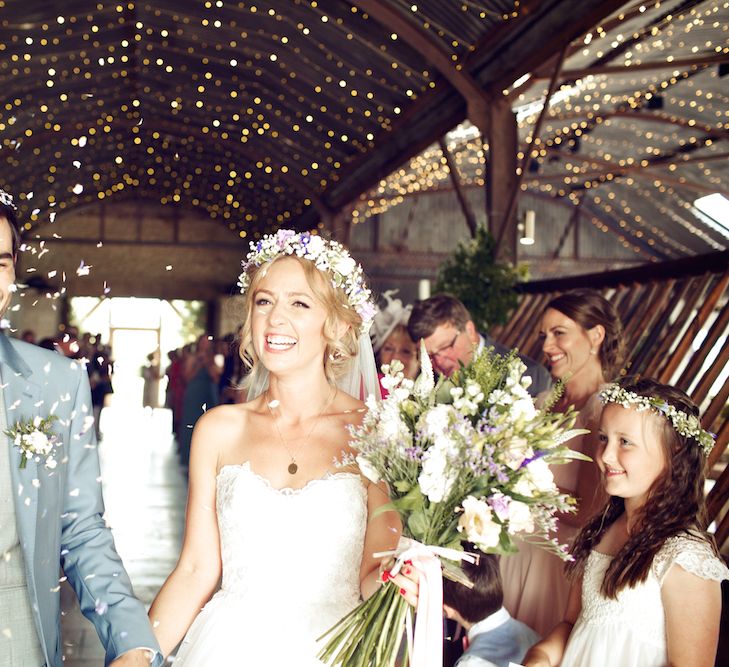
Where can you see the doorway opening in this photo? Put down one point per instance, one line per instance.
(136, 329)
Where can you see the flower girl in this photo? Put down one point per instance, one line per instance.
(646, 575)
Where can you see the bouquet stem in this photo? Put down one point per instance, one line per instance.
(371, 634)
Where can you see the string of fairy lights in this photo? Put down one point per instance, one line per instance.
(246, 110)
(586, 149)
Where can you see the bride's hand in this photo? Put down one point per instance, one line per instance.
(407, 580)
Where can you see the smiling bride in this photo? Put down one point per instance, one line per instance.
(291, 534)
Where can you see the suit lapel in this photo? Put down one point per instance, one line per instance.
(21, 399)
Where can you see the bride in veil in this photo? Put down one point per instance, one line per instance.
(291, 534)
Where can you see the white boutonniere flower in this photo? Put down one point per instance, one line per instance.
(36, 441)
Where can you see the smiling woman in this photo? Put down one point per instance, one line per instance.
(582, 344)
(264, 481)
(289, 286)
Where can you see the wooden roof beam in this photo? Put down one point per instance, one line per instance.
(519, 47)
(677, 63)
(422, 42)
(456, 180)
(651, 117)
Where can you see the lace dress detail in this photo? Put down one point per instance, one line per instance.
(291, 560)
(630, 630)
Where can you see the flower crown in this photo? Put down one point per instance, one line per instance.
(6, 199)
(685, 425)
(328, 256)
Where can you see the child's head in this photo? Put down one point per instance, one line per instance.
(486, 596)
(652, 448)
(652, 455)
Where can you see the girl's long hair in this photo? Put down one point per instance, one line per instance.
(674, 506)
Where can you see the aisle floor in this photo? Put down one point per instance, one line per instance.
(145, 493)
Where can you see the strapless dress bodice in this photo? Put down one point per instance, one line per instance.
(291, 560)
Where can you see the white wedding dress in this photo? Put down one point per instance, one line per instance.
(291, 561)
(630, 631)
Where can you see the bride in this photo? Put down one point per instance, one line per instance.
(292, 535)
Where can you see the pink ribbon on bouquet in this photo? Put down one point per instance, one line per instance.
(427, 644)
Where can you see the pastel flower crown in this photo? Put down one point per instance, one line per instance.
(685, 425)
(6, 199)
(328, 256)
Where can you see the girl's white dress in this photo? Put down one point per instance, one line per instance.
(630, 631)
(291, 561)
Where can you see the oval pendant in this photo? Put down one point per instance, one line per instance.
(293, 468)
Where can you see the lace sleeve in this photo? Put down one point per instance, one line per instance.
(693, 554)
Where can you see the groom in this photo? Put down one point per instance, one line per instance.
(51, 509)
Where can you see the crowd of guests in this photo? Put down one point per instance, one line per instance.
(200, 376)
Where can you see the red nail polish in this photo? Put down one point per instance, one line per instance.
(386, 576)
(408, 562)
(406, 570)
(402, 591)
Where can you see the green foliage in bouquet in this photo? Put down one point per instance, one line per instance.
(485, 286)
(465, 459)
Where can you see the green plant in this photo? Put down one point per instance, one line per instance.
(485, 286)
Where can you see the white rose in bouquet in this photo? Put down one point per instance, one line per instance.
(437, 476)
(541, 476)
(436, 421)
(516, 451)
(478, 524)
(520, 518)
(537, 478)
(523, 408)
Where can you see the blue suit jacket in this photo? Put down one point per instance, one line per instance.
(59, 512)
(508, 642)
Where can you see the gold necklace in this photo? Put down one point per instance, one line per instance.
(271, 404)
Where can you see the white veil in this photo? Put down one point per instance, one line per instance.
(359, 380)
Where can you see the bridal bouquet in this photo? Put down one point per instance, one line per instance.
(465, 459)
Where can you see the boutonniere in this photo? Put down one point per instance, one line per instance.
(35, 440)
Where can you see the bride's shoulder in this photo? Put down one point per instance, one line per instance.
(349, 409)
(226, 417)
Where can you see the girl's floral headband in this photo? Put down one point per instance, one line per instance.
(685, 425)
(328, 256)
(6, 199)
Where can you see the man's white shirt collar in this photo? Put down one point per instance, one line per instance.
(489, 623)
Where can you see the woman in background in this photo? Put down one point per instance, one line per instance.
(390, 337)
(582, 342)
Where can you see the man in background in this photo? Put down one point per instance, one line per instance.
(451, 339)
